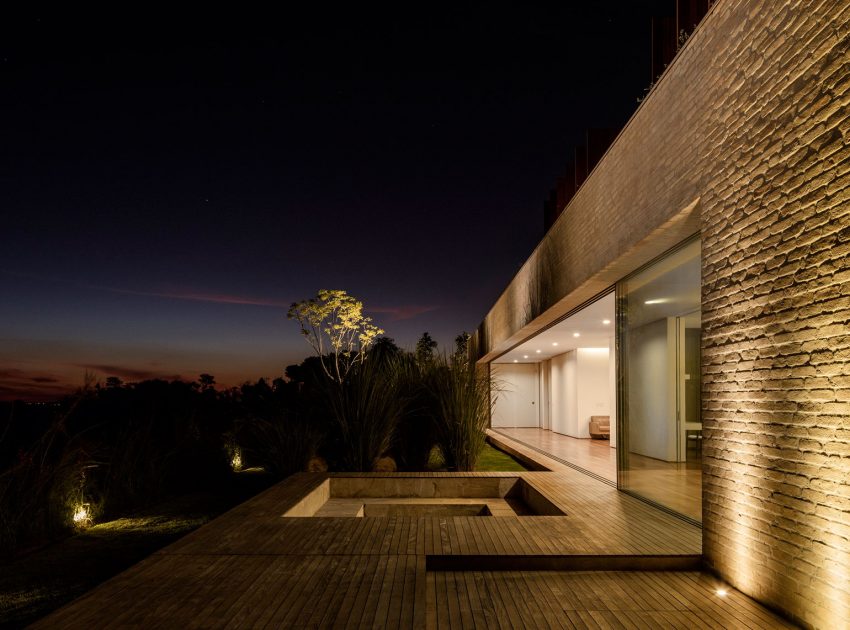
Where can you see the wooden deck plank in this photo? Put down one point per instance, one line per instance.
(253, 567)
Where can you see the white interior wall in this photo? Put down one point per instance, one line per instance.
(544, 378)
(612, 390)
(592, 387)
(579, 387)
(516, 391)
(562, 393)
(652, 392)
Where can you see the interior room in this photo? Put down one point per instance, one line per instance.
(661, 425)
(557, 391)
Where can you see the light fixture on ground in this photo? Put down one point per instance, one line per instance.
(81, 517)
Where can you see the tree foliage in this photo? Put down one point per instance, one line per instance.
(425, 348)
(334, 325)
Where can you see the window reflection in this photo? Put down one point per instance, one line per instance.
(659, 324)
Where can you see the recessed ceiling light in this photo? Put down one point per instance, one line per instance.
(554, 343)
(516, 361)
(606, 321)
(525, 356)
(659, 301)
(537, 351)
(576, 334)
(722, 592)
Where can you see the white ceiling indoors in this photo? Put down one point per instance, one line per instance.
(560, 338)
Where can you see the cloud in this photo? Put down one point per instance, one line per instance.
(217, 298)
(128, 373)
(399, 313)
(44, 379)
(395, 313)
(31, 385)
(195, 296)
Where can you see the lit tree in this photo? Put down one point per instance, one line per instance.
(334, 325)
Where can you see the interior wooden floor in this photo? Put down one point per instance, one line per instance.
(251, 567)
(677, 486)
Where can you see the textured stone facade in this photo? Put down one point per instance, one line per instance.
(776, 309)
(746, 139)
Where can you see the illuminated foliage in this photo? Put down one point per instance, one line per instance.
(334, 325)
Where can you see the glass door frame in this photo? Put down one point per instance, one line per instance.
(621, 364)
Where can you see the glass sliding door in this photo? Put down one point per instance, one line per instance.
(658, 329)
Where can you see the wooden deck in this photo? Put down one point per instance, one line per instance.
(675, 485)
(251, 567)
(553, 599)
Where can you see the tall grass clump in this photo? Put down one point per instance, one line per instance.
(281, 444)
(364, 411)
(462, 405)
(41, 489)
(415, 435)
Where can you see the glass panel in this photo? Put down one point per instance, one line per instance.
(659, 325)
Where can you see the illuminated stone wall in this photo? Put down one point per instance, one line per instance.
(776, 306)
(747, 139)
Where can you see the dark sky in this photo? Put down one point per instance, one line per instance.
(169, 184)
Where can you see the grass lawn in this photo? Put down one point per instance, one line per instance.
(41, 581)
(494, 460)
(490, 460)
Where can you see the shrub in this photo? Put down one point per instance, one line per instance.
(41, 489)
(281, 445)
(415, 434)
(364, 411)
(462, 404)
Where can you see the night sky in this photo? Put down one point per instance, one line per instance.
(170, 184)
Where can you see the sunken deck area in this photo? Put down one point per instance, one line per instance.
(539, 549)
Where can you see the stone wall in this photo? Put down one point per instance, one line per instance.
(746, 138)
(776, 306)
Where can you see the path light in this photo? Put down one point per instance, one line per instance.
(81, 517)
(236, 460)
